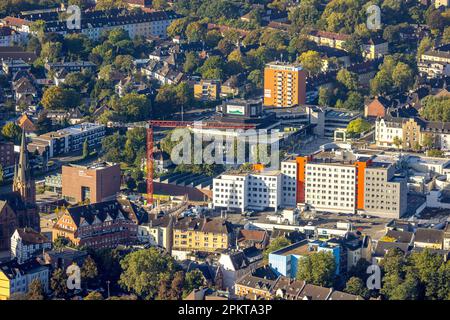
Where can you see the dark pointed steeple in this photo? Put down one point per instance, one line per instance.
(23, 181)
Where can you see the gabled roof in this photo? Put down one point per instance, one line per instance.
(426, 235)
(12, 269)
(313, 292)
(30, 236)
(400, 236)
(383, 247)
(99, 212)
(252, 235)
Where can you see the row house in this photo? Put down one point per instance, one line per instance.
(410, 133)
(94, 24)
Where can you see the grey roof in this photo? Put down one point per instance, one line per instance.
(383, 247)
(429, 235)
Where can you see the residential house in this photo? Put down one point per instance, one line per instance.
(26, 243)
(235, 265)
(250, 238)
(16, 278)
(429, 238)
(201, 234)
(157, 232)
(376, 107)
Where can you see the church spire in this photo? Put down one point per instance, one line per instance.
(23, 181)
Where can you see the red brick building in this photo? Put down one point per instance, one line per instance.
(376, 107)
(96, 183)
(101, 225)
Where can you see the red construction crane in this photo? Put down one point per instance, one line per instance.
(179, 124)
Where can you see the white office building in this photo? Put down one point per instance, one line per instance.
(331, 187)
(248, 191)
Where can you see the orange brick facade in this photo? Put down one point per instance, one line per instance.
(284, 85)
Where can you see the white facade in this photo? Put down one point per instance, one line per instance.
(230, 191)
(24, 251)
(386, 133)
(331, 187)
(255, 191)
(289, 183)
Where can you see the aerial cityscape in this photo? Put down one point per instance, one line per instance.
(231, 150)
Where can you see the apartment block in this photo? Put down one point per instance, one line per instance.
(207, 90)
(201, 234)
(68, 140)
(16, 278)
(94, 23)
(284, 85)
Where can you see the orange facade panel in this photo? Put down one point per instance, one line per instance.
(301, 176)
(360, 172)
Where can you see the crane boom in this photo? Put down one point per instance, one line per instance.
(149, 125)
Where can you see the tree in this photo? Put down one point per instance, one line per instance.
(358, 126)
(176, 290)
(191, 62)
(212, 68)
(12, 132)
(325, 96)
(274, 245)
(59, 98)
(348, 79)
(196, 32)
(89, 270)
(311, 61)
(109, 4)
(35, 290)
(94, 295)
(194, 280)
(398, 142)
(403, 76)
(425, 44)
(356, 286)
(143, 270)
(355, 101)
(381, 84)
(256, 78)
(160, 4)
(58, 283)
(318, 268)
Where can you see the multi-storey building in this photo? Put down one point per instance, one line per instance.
(372, 49)
(410, 133)
(207, 90)
(157, 232)
(67, 140)
(242, 191)
(16, 278)
(385, 195)
(284, 85)
(6, 154)
(347, 183)
(94, 23)
(26, 243)
(435, 63)
(100, 225)
(95, 183)
(201, 234)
